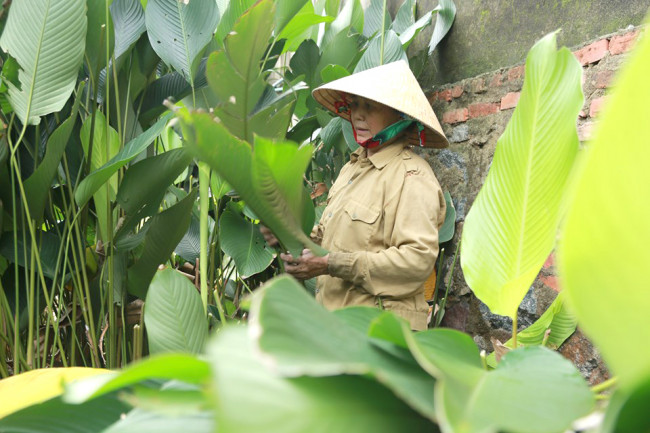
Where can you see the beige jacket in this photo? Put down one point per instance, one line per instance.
(381, 228)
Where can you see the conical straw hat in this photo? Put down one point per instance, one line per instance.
(393, 85)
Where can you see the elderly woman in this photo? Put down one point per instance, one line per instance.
(383, 212)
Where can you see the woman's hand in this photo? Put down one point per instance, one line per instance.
(269, 237)
(306, 266)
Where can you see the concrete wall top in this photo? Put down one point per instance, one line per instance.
(490, 34)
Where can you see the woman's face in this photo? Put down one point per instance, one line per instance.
(369, 117)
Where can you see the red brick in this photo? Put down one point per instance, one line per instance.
(550, 261)
(603, 79)
(622, 43)
(496, 81)
(596, 106)
(457, 91)
(444, 95)
(585, 131)
(455, 116)
(510, 100)
(592, 52)
(478, 86)
(550, 281)
(516, 73)
(482, 109)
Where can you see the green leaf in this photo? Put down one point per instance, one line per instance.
(446, 14)
(393, 52)
(173, 314)
(333, 72)
(299, 29)
(286, 11)
(342, 50)
(100, 27)
(172, 366)
(145, 182)
(297, 405)
(627, 411)
(532, 390)
(55, 416)
(49, 246)
(37, 186)
(165, 232)
(511, 228)
(179, 32)
(607, 290)
(304, 62)
(448, 228)
(105, 145)
(233, 12)
(407, 36)
(346, 18)
(273, 120)
(242, 240)
(37, 386)
(558, 318)
(129, 23)
(218, 186)
(299, 337)
(373, 18)
(91, 183)
(139, 421)
(405, 16)
(234, 74)
(269, 179)
(46, 37)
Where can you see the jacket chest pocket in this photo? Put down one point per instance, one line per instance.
(356, 225)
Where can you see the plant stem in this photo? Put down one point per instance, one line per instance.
(514, 331)
(603, 386)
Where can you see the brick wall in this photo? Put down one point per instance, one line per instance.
(473, 114)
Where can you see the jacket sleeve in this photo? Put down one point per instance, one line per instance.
(400, 270)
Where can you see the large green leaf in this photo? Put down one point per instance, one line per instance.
(165, 232)
(299, 337)
(511, 228)
(105, 145)
(244, 386)
(393, 52)
(91, 183)
(141, 421)
(47, 38)
(242, 240)
(232, 13)
(170, 366)
(627, 411)
(128, 19)
(37, 186)
(286, 11)
(407, 35)
(345, 19)
(234, 74)
(179, 31)
(448, 228)
(446, 14)
(263, 178)
(145, 182)
(299, 29)
(100, 30)
(173, 314)
(606, 283)
(532, 390)
(373, 17)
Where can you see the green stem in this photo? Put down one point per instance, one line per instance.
(603, 386)
(514, 331)
(383, 34)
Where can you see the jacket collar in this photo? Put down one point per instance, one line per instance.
(381, 157)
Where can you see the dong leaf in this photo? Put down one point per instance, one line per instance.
(299, 29)
(448, 228)
(511, 228)
(242, 240)
(299, 337)
(47, 38)
(37, 386)
(128, 19)
(179, 31)
(286, 11)
(173, 314)
(297, 405)
(165, 231)
(608, 290)
(234, 74)
(538, 389)
(100, 28)
(91, 183)
(446, 14)
(269, 179)
(374, 57)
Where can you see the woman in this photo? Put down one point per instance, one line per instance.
(383, 212)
